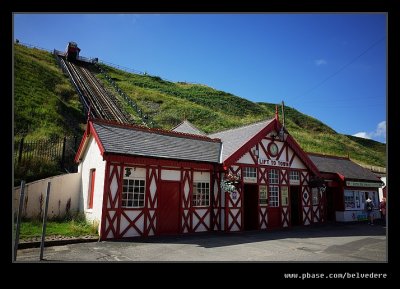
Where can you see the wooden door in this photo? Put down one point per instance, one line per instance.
(168, 208)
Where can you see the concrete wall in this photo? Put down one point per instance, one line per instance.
(63, 188)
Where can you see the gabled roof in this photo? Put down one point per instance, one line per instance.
(187, 127)
(343, 166)
(234, 139)
(116, 138)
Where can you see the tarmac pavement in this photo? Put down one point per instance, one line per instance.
(336, 242)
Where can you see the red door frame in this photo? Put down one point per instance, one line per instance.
(159, 203)
(92, 178)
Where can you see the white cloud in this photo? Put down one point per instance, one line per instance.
(380, 131)
(362, 134)
(320, 62)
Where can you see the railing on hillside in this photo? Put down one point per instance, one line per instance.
(62, 151)
(147, 121)
(375, 169)
(64, 68)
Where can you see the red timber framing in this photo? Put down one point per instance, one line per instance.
(305, 198)
(186, 197)
(233, 206)
(118, 222)
(233, 210)
(216, 201)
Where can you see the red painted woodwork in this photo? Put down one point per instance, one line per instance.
(201, 219)
(91, 188)
(250, 207)
(263, 217)
(186, 196)
(274, 217)
(168, 208)
(111, 201)
(251, 143)
(128, 159)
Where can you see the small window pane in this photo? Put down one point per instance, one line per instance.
(133, 193)
(201, 194)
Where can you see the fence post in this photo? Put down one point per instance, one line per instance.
(63, 153)
(44, 221)
(21, 203)
(21, 145)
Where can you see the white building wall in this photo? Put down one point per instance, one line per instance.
(297, 163)
(170, 175)
(383, 179)
(62, 189)
(92, 159)
(201, 177)
(246, 159)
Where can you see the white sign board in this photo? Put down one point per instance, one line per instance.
(267, 162)
(363, 184)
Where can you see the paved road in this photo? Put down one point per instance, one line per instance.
(326, 243)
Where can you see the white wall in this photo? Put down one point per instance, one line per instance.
(62, 188)
(92, 159)
(170, 175)
(383, 179)
(355, 215)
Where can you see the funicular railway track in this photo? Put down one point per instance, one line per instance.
(102, 104)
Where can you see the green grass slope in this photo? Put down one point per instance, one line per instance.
(45, 103)
(167, 103)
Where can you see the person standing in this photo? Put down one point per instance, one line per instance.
(382, 207)
(369, 207)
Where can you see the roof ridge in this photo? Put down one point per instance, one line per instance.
(191, 125)
(239, 127)
(328, 156)
(155, 130)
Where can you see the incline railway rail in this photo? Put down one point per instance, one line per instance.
(102, 104)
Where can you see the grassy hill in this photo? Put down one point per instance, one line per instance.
(57, 110)
(45, 103)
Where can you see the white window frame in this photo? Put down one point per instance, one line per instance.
(294, 177)
(273, 176)
(249, 175)
(132, 187)
(201, 194)
(273, 199)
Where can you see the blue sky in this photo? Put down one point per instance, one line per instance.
(329, 66)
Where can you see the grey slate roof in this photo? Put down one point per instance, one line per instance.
(345, 167)
(187, 127)
(234, 139)
(139, 142)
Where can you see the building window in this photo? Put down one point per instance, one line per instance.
(284, 195)
(249, 172)
(133, 193)
(349, 202)
(273, 196)
(273, 177)
(294, 177)
(263, 195)
(250, 175)
(201, 194)
(92, 177)
(315, 196)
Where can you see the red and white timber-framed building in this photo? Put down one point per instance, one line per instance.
(140, 182)
(348, 185)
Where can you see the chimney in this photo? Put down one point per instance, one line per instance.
(276, 112)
